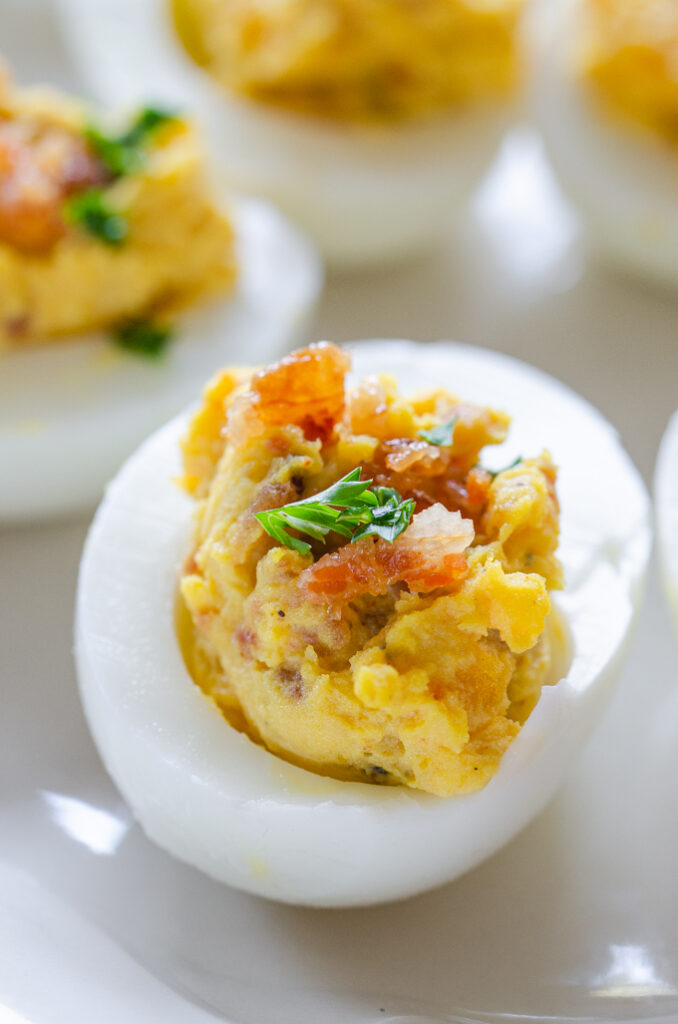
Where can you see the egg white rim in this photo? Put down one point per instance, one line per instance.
(145, 519)
(666, 498)
(88, 404)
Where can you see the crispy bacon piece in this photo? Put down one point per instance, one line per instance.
(428, 555)
(416, 473)
(39, 168)
(305, 388)
(477, 485)
(418, 456)
(367, 407)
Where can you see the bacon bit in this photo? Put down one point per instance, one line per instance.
(40, 166)
(429, 479)
(405, 454)
(279, 446)
(477, 485)
(437, 689)
(274, 495)
(453, 494)
(247, 531)
(190, 566)
(367, 405)
(306, 388)
(291, 682)
(428, 555)
(17, 326)
(246, 639)
(204, 619)
(440, 526)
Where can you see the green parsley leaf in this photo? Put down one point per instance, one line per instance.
(511, 465)
(90, 211)
(442, 435)
(147, 121)
(388, 526)
(348, 507)
(143, 337)
(118, 158)
(124, 154)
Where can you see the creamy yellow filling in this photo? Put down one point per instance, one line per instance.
(422, 689)
(630, 59)
(356, 59)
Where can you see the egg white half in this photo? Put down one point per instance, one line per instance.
(666, 499)
(623, 181)
(365, 194)
(72, 410)
(218, 801)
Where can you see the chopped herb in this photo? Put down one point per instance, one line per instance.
(123, 154)
(143, 336)
(148, 120)
(442, 435)
(495, 472)
(90, 211)
(350, 507)
(117, 158)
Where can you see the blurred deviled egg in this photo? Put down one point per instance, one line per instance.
(345, 675)
(368, 123)
(605, 97)
(122, 284)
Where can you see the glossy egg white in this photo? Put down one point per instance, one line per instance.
(220, 802)
(364, 194)
(73, 409)
(623, 182)
(666, 501)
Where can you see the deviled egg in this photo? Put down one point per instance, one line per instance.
(605, 99)
(666, 498)
(367, 123)
(113, 258)
(423, 692)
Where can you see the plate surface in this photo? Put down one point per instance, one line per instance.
(577, 918)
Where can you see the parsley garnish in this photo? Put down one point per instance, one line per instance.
(147, 121)
(91, 211)
(350, 507)
(142, 336)
(496, 472)
(442, 435)
(120, 155)
(123, 154)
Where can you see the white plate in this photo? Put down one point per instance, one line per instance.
(90, 404)
(666, 500)
(578, 917)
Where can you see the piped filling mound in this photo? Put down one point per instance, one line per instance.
(630, 58)
(356, 59)
(99, 229)
(365, 598)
